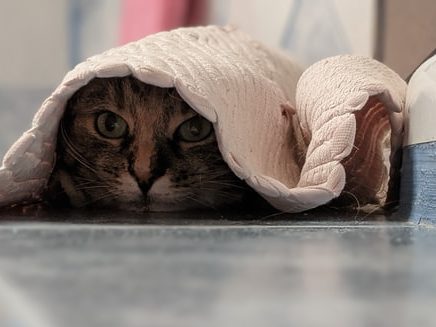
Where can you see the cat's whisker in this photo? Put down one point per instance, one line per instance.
(373, 210)
(92, 187)
(78, 188)
(85, 183)
(231, 181)
(358, 207)
(378, 209)
(226, 184)
(273, 215)
(192, 198)
(208, 185)
(216, 174)
(73, 151)
(221, 193)
(89, 182)
(231, 197)
(79, 160)
(105, 196)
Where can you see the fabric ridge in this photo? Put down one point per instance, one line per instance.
(283, 131)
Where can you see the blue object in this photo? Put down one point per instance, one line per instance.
(418, 183)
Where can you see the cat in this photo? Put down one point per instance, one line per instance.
(130, 145)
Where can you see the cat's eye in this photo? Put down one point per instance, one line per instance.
(111, 125)
(195, 129)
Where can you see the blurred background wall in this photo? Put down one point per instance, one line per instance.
(406, 33)
(33, 38)
(42, 39)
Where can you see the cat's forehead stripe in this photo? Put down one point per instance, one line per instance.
(127, 94)
(129, 171)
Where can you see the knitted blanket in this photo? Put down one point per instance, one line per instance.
(291, 137)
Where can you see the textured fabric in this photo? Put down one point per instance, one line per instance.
(329, 93)
(285, 140)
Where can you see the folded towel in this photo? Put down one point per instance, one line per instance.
(291, 143)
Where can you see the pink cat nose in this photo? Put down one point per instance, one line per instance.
(142, 171)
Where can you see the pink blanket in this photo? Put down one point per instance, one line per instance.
(144, 17)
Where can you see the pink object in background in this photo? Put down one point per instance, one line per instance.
(143, 17)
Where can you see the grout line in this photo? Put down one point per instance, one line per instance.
(62, 226)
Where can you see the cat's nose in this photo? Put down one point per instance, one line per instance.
(142, 163)
(142, 171)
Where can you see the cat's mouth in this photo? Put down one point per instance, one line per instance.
(164, 195)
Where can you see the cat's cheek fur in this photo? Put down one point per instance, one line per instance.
(94, 171)
(128, 190)
(76, 198)
(163, 196)
(162, 187)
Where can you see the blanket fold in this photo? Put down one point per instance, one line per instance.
(288, 141)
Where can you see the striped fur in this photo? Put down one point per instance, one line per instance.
(150, 168)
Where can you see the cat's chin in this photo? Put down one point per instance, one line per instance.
(168, 206)
(153, 205)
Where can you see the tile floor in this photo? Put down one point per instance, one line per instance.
(111, 269)
(212, 270)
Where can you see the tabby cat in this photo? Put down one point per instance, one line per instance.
(126, 144)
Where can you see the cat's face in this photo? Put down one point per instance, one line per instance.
(134, 146)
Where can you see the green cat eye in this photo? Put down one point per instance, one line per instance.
(195, 129)
(111, 125)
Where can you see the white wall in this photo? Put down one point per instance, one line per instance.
(308, 29)
(37, 47)
(33, 38)
(35, 35)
